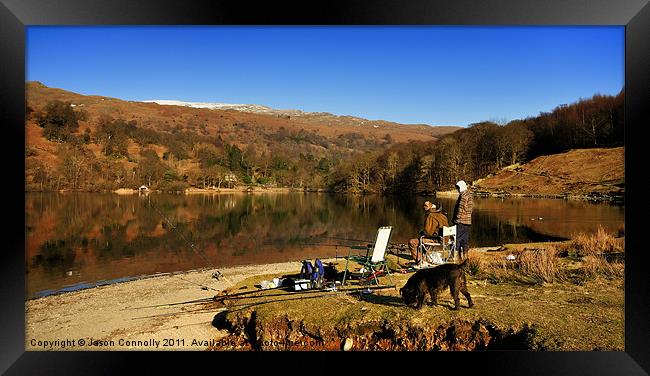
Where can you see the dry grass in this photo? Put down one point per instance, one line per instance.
(578, 171)
(566, 316)
(474, 264)
(534, 266)
(597, 265)
(596, 244)
(539, 265)
(597, 252)
(497, 270)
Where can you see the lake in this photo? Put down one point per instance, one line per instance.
(75, 240)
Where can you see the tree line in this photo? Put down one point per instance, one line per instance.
(483, 148)
(174, 160)
(348, 163)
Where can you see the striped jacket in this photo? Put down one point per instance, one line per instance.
(463, 209)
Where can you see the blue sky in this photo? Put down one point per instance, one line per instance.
(431, 75)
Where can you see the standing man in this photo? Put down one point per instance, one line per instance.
(463, 218)
(433, 222)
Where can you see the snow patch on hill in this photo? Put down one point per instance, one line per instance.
(224, 106)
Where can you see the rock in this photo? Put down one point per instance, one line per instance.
(347, 344)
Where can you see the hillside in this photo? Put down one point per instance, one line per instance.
(588, 172)
(271, 148)
(314, 118)
(230, 123)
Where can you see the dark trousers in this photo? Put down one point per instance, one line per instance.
(462, 241)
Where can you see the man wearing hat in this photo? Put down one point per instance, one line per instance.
(433, 222)
(463, 218)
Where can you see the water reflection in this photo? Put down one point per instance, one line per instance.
(75, 238)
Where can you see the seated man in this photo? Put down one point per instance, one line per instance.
(434, 220)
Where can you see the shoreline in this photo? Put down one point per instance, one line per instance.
(150, 313)
(257, 190)
(595, 197)
(557, 196)
(138, 314)
(253, 190)
(177, 311)
(242, 189)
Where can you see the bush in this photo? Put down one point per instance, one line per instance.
(174, 186)
(498, 270)
(58, 120)
(171, 176)
(539, 265)
(474, 264)
(602, 254)
(264, 180)
(597, 265)
(596, 244)
(620, 232)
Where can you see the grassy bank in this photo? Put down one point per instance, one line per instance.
(553, 296)
(592, 174)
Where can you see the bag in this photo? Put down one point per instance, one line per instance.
(318, 275)
(434, 258)
(314, 274)
(307, 270)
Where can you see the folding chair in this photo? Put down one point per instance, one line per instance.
(449, 233)
(372, 265)
(428, 252)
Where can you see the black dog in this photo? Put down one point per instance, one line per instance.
(433, 281)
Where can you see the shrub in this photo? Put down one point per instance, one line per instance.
(596, 244)
(601, 254)
(474, 264)
(58, 120)
(539, 265)
(498, 270)
(597, 265)
(620, 232)
(174, 186)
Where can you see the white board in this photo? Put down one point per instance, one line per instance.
(383, 235)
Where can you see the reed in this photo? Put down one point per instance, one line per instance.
(539, 265)
(597, 244)
(474, 264)
(596, 265)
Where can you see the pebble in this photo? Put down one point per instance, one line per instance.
(347, 344)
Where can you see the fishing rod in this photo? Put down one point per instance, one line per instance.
(203, 300)
(216, 275)
(247, 292)
(347, 239)
(203, 287)
(330, 293)
(305, 292)
(240, 296)
(172, 314)
(173, 227)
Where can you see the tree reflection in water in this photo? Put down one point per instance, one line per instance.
(85, 237)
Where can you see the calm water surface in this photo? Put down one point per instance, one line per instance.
(83, 239)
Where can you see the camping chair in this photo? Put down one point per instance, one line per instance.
(449, 233)
(375, 264)
(426, 249)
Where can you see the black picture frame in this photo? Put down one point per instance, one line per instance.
(16, 14)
